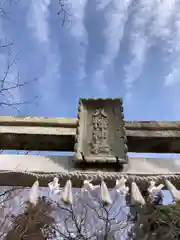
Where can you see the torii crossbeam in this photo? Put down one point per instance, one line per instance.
(100, 139)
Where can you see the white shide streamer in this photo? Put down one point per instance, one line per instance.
(121, 187)
(34, 193)
(105, 196)
(93, 190)
(136, 196)
(174, 192)
(88, 186)
(67, 193)
(54, 186)
(154, 190)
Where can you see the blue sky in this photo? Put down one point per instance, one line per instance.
(108, 48)
(114, 48)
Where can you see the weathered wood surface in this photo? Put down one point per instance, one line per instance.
(57, 134)
(66, 165)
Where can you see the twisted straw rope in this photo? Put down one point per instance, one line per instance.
(100, 175)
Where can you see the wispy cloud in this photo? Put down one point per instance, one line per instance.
(38, 22)
(165, 26)
(161, 25)
(139, 43)
(154, 21)
(174, 49)
(116, 15)
(174, 76)
(51, 80)
(76, 9)
(102, 4)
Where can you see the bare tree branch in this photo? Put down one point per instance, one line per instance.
(88, 220)
(65, 15)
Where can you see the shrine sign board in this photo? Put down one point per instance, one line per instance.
(100, 135)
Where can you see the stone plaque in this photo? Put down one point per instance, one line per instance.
(100, 133)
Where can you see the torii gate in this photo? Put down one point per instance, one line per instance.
(100, 140)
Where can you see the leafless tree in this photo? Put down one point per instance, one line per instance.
(34, 223)
(10, 86)
(8, 197)
(90, 219)
(87, 219)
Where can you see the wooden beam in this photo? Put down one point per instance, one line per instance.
(57, 134)
(15, 170)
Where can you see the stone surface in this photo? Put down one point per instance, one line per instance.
(58, 134)
(12, 166)
(100, 131)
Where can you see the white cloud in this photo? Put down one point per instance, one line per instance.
(38, 19)
(116, 16)
(173, 77)
(76, 9)
(50, 83)
(161, 26)
(139, 51)
(102, 4)
(166, 26)
(154, 20)
(38, 22)
(174, 43)
(139, 43)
